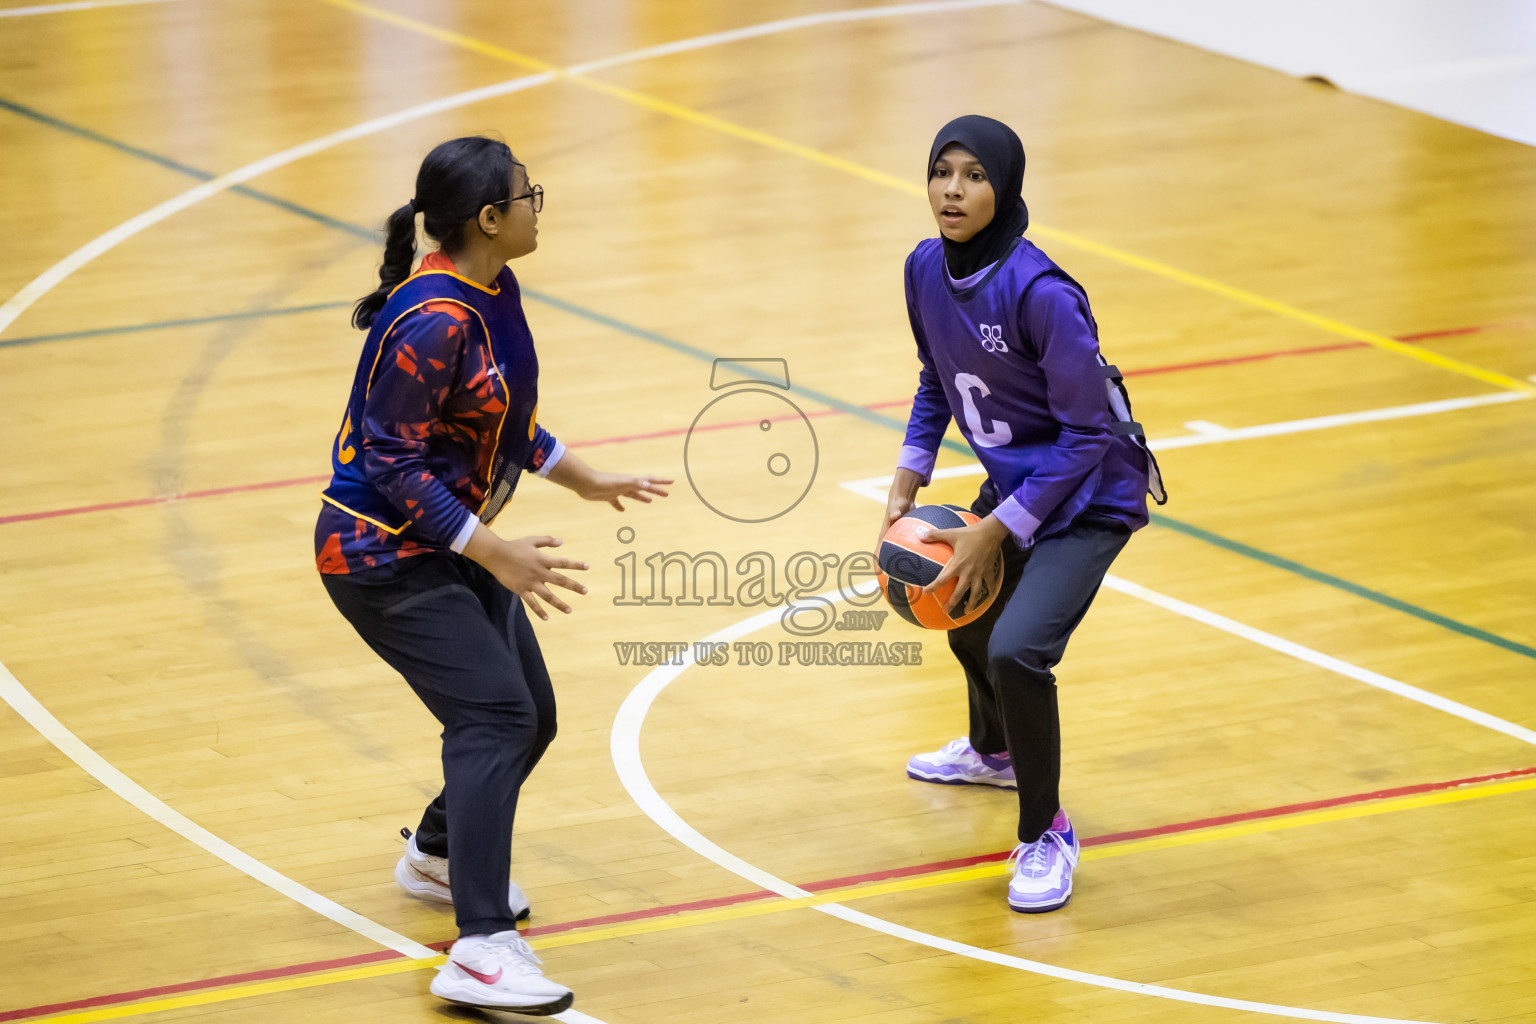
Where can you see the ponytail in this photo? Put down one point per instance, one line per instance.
(399, 254)
(457, 180)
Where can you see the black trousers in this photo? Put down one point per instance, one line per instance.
(1009, 652)
(465, 645)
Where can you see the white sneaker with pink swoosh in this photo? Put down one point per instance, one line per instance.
(499, 971)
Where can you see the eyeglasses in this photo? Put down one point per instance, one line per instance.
(535, 192)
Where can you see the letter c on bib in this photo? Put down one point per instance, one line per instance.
(1000, 433)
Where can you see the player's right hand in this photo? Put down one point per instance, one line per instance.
(896, 506)
(901, 500)
(523, 567)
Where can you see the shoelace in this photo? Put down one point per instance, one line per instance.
(1034, 854)
(513, 952)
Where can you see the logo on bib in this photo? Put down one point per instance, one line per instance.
(992, 337)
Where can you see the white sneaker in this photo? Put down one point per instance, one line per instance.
(426, 878)
(501, 972)
(957, 764)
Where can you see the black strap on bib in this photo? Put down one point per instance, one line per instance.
(1125, 426)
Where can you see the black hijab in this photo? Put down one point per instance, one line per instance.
(1002, 157)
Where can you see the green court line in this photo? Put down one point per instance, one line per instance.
(181, 168)
(694, 351)
(157, 325)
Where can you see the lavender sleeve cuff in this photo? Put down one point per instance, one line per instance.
(918, 461)
(1019, 522)
(553, 460)
(465, 532)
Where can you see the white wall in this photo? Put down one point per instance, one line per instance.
(1468, 61)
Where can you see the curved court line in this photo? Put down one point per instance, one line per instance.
(102, 770)
(99, 768)
(20, 699)
(54, 275)
(624, 747)
(769, 28)
(73, 5)
(755, 903)
(864, 413)
(575, 74)
(49, 727)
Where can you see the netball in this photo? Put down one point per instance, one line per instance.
(908, 564)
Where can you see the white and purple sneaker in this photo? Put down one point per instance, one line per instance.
(1042, 870)
(958, 764)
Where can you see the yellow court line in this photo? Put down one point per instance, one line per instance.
(690, 919)
(1151, 266)
(1286, 310)
(260, 988)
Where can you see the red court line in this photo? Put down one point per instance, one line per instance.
(1340, 346)
(1184, 826)
(761, 894)
(298, 481)
(1452, 332)
(1145, 371)
(189, 986)
(1255, 357)
(108, 506)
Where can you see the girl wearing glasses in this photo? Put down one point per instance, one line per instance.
(1010, 351)
(440, 424)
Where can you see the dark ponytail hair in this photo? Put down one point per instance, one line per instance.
(457, 180)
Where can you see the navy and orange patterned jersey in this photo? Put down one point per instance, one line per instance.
(440, 423)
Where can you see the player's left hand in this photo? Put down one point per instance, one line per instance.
(973, 566)
(611, 487)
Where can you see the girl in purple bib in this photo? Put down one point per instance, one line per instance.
(1010, 351)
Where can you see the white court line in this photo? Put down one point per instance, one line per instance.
(100, 769)
(785, 25)
(1207, 427)
(1332, 664)
(76, 5)
(39, 717)
(875, 487)
(624, 747)
(54, 275)
(1301, 653)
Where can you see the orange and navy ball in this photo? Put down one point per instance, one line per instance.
(908, 564)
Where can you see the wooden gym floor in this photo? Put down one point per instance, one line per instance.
(1297, 722)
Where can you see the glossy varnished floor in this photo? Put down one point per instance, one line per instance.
(1251, 243)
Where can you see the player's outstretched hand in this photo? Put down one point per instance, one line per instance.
(587, 482)
(523, 567)
(610, 487)
(973, 563)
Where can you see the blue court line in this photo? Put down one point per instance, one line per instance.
(694, 351)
